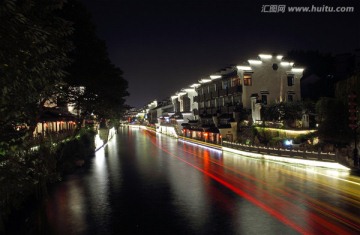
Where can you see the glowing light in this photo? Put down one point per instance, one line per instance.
(264, 56)
(98, 142)
(205, 80)
(279, 57)
(112, 132)
(289, 131)
(241, 67)
(213, 77)
(285, 63)
(188, 89)
(181, 93)
(333, 165)
(297, 70)
(201, 144)
(174, 97)
(256, 62)
(195, 85)
(288, 142)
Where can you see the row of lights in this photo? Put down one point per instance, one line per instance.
(240, 67)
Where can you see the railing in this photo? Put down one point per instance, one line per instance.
(235, 89)
(208, 96)
(215, 94)
(51, 137)
(223, 92)
(301, 154)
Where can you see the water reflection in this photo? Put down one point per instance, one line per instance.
(146, 183)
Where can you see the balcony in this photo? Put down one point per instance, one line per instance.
(215, 94)
(201, 98)
(223, 92)
(235, 89)
(208, 96)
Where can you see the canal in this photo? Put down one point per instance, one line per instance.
(147, 183)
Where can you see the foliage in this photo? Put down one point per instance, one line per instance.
(23, 174)
(33, 54)
(318, 65)
(346, 87)
(75, 149)
(313, 61)
(333, 121)
(282, 112)
(92, 69)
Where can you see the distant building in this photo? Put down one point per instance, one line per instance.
(216, 104)
(266, 79)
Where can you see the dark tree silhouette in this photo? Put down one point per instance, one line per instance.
(104, 87)
(33, 54)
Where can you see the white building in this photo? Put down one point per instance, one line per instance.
(270, 79)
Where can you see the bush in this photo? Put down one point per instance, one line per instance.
(28, 173)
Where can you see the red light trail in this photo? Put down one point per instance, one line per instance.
(307, 216)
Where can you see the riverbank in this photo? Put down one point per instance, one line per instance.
(327, 160)
(26, 176)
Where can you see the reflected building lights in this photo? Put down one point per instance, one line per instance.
(333, 165)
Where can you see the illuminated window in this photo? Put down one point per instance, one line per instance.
(247, 80)
(290, 80)
(235, 81)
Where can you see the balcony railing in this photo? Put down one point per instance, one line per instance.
(223, 92)
(208, 96)
(215, 94)
(235, 89)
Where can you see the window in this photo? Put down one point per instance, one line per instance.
(235, 81)
(237, 99)
(290, 80)
(290, 98)
(212, 103)
(214, 87)
(264, 99)
(186, 104)
(247, 80)
(225, 84)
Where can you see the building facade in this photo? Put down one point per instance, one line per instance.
(264, 80)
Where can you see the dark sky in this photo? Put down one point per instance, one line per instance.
(165, 45)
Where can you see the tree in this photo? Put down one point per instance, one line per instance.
(286, 112)
(104, 87)
(33, 54)
(332, 119)
(319, 74)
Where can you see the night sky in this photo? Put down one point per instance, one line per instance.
(165, 45)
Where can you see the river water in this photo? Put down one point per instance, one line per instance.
(147, 183)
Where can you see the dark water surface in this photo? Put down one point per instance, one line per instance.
(146, 183)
